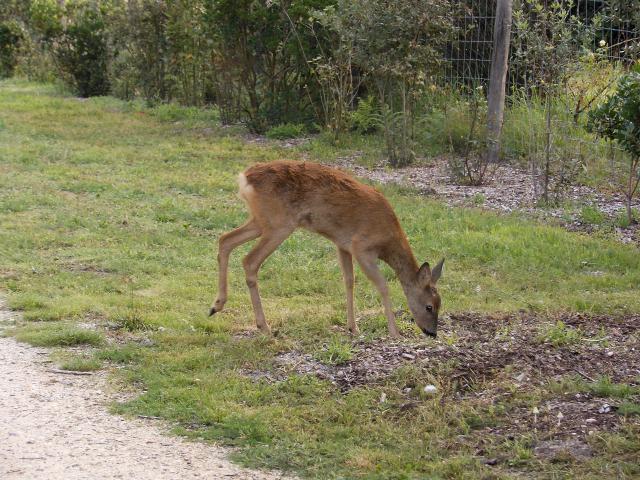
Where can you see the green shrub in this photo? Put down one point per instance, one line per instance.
(618, 120)
(286, 130)
(364, 118)
(82, 53)
(10, 39)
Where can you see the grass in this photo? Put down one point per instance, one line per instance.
(592, 215)
(57, 336)
(110, 213)
(80, 364)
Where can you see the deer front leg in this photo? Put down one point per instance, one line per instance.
(346, 264)
(226, 244)
(252, 262)
(371, 270)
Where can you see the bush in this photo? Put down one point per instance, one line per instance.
(82, 53)
(286, 130)
(618, 120)
(10, 39)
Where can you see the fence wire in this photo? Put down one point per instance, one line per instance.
(594, 42)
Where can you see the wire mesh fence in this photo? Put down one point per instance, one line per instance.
(565, 58)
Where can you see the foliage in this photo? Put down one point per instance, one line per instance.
(364, 118)
(399, 47)
(470, 165)
(265, 50)
(82, 52)
(286, 130)
(560, 334)
(618, 120)
(10, 39)
(546, 40)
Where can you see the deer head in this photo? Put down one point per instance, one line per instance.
(423, 298)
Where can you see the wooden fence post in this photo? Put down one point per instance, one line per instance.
(498, 77)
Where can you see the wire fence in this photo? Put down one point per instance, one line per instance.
(565, 58)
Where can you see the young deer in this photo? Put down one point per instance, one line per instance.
(282, 196)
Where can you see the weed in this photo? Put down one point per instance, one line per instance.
(131, 321)
(337, 351)
(629, 408)
(592, 215)
(559, 334)
(604, 387)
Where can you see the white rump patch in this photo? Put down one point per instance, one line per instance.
(245, 189)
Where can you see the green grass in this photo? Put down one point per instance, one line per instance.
(560, 334)
(592, 215)
(109, 215)
(80, 364)
(57, 336)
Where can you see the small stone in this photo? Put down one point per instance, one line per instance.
(408, 356)
(590, 420)
(407, 390)
(609, 353)
(383, 397)
(430, 389)
(606, 408)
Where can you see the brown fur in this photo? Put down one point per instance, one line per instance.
(282, 196)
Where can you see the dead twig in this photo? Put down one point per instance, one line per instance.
(68, 372)
(582, 374)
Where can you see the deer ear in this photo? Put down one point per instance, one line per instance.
(424, 273)
(437, 272)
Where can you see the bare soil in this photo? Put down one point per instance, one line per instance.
(56, 426)
(485, 358)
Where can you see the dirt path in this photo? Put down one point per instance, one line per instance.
(55, 426)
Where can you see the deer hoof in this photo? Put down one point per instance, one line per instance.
(212, 310)
(265, 330)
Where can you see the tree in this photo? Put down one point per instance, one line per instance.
(399, 46)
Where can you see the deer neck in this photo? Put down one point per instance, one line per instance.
(401, 259)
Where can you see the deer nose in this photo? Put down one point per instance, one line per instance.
(428, 333)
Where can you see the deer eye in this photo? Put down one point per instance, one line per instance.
(429, 308)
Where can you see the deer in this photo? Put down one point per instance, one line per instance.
(282, 196)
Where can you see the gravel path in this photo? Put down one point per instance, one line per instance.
(55, 426)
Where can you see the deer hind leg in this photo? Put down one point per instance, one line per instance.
(230, 240)
(371, 270)
(269, 241)
(346, 264)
